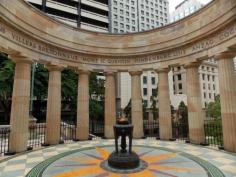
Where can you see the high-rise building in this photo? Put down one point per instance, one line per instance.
(208, 77)
(184, 9)
(138, 15)
(208, 71)
(135, 16)
(87, 14)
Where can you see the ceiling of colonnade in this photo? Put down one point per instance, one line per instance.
(35, 35)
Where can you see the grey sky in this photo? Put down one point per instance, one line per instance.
(174, 3)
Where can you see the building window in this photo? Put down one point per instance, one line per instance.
(144, 79)
(145, 103)
(179, 77)
(145, 91)
(153, 80)
(180, 86)
(154, 92)
(204, 95)
(203, 76)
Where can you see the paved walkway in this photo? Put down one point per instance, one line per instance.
(83, 159)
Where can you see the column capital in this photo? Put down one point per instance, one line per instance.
(52, 67)
(162, 70)
(225, 55)
(133, 73)
(21, 59)
(82, 71)
(192, 64)
(109, 73)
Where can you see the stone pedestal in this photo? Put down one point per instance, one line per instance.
(136, 104)
(228, 99)
(110, 104)
(195, 112)
(20, 106)
(165, 123)
(53, 120)
(82, 129)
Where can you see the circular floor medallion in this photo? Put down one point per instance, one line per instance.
(156, 161)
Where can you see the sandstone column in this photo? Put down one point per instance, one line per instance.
(53, 120)
(136, 104)
(20, 106)
(165, 123)
(227, 99)
(195, 112)
(110, 104)
(82, 129)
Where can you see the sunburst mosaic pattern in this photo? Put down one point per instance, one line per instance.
(161, 163)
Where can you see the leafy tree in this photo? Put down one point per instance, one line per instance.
(96, 87)
(183, 113)
(213, 109)
(69, 88)
(155, 110)
(145, 115)
(96, 109)
(127, 110)
(40, 82)
(97, 95)
(6, 85)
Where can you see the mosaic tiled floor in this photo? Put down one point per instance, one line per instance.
(165, 159)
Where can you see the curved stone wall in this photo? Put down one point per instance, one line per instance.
(28, 32)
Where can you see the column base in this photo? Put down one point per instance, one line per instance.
(204, 144)
(187, 141)
(221, 148)
(29, 148)
(61, 142)
(172, 139)
(45, 144)
(9, 153)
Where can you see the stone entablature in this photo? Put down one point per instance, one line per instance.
(117, 52)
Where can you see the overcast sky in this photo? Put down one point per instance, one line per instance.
(174, 3)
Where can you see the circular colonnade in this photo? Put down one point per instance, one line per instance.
(27, 35)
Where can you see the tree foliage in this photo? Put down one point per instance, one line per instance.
(127, 110)
(155, 110)
(40, 82)
(213, 109)
(182, 112)
(97, 94)
(69, 89)
(6, 85)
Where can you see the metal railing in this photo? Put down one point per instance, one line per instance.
(96, 128)
(4, 138)
(151, 128)
(36, 135)
(68, 131)
(180, 131)
(213, 132)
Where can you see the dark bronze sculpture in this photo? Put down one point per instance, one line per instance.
(123, 159)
